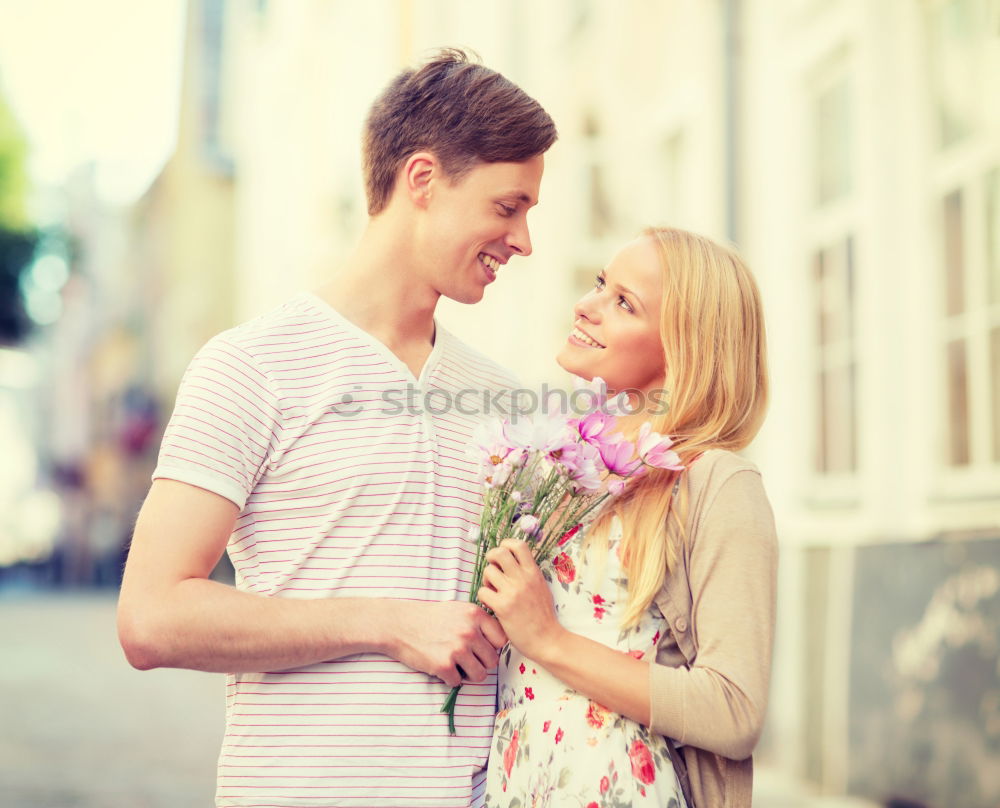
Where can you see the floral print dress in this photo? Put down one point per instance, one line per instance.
(553, 746)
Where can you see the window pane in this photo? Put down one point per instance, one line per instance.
(958, 403)
(954, 254)
(995, 386)
(993, 233)
(832, 123)
(952, 65)
(837, 440)
(833, 272)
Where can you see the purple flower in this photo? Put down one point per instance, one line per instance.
(654, 449)
(620, 457)
(528, 523)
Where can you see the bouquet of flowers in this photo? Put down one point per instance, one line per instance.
(544, 476)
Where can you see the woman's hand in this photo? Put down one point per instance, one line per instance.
(513, 587)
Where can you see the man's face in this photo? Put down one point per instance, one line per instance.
(476, 224)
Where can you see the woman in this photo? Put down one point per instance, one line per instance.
(640, 657)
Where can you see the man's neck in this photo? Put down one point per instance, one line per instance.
(377, 289)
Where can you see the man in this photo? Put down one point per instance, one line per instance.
(346, 509)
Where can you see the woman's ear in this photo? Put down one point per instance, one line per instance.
(418, 174)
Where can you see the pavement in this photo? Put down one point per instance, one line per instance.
(80, 728)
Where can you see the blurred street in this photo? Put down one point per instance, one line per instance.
(79, 728)
(82, 729)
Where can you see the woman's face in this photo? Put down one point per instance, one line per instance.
(616, 328)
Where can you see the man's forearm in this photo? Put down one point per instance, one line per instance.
(205, 625)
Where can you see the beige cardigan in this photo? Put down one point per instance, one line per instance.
(709, 688)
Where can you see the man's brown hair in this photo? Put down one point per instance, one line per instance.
(457, 109)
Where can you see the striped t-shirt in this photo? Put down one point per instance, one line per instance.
(354, 479)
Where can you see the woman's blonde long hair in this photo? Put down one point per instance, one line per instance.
(712, 329)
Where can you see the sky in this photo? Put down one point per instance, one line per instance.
(94, 81)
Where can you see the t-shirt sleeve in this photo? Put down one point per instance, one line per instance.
(224, 425)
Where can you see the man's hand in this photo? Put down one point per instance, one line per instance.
(446, 639)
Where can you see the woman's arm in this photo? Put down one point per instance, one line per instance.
(719, 703)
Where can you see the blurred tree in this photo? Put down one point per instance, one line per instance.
(17, 239)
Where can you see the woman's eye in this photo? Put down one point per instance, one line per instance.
(505, 210)
(625, 304)
(598, 282)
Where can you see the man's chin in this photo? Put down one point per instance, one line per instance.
(467, 296)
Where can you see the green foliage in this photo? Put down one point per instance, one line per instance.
(13, 175)
(17, 241)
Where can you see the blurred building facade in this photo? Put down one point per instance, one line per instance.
(850, 149)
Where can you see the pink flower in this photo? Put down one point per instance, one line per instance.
(529, 693)
(654, 449)
(598, 600)
(616, 487)
(619, 457)
(546, 725)
(592, 804)
(564, 567)
(605, 784)
(642, 763)
(580, 462)
(521, 667)
(598, 613)
(559, 735)
(510, 754)
(595, 427)
(528, 523)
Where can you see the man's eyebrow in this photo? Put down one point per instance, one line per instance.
(521, 196)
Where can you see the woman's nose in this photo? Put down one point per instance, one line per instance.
(586, 308)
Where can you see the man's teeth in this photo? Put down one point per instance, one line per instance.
(584, 338)
(490, 261)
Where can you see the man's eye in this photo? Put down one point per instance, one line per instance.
(505, 210)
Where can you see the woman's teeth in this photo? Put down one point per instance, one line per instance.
(585, 339)
(490, 261)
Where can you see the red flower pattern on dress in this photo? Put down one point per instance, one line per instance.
(593, 805)
(559, 735)
(529, 693)
(522, 668)
(596, 714)
(564, 567)
(656, 638)
(642, 762)
(637, 654)
(598, 613)
(569, 534)
(599, 600)
(510, 754)
(605, 784)
(546, 725)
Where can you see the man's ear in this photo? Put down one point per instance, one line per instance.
(418, 175)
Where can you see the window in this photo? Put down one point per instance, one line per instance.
(966, 204)
(832, 254)
(836, 442)
(833, 143)
(953, 68)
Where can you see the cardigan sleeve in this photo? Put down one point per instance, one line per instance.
(718, 704)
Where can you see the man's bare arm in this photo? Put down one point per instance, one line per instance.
(171, 615)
